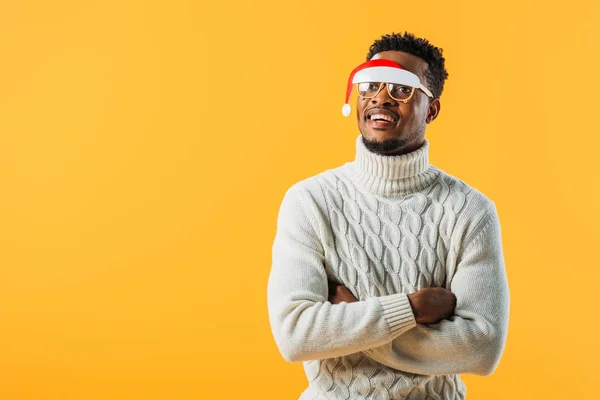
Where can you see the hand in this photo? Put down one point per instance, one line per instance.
(339, 293)
(431, 305)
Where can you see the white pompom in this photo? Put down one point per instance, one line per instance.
(346, 110)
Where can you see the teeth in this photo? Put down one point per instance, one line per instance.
(382, 116)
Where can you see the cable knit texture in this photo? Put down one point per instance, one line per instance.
(387, 226)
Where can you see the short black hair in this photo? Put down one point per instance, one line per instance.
(436, 72)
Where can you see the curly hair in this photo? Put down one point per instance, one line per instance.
(436, 73)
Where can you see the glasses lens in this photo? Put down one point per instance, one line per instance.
(368, 89)
(400, 92)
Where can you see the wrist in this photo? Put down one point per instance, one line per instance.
(413, 304)
(398, 313)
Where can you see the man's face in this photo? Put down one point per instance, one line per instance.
(407, 132)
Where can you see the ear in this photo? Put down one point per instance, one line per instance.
(433, 111)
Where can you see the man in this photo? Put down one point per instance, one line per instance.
(388, 276)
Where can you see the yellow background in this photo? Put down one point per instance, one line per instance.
(145, 147)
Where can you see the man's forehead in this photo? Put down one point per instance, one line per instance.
(407, 61)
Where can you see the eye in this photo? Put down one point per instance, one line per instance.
(400, 92)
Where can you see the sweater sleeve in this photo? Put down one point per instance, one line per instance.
(473, 340)
(305, 325)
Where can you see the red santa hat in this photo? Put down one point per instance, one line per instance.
(380, 70)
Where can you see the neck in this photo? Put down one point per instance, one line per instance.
(394, 175)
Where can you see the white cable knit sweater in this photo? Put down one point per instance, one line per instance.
(387, 226)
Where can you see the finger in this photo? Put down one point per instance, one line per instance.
(347, 295)
(343, 289)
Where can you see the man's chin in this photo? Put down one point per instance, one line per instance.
(383, 142)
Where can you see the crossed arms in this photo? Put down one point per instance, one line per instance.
(406, 332)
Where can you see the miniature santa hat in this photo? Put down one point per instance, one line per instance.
(381, 70)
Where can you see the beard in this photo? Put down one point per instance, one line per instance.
(392, 145)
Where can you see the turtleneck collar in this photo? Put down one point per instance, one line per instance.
(394, 175)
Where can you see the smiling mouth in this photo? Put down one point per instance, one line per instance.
(382, 116)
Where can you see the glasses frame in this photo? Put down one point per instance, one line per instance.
(414, 89)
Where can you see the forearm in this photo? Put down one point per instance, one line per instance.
(307, 327)
(450, 347)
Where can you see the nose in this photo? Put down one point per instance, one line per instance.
(383, 97)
